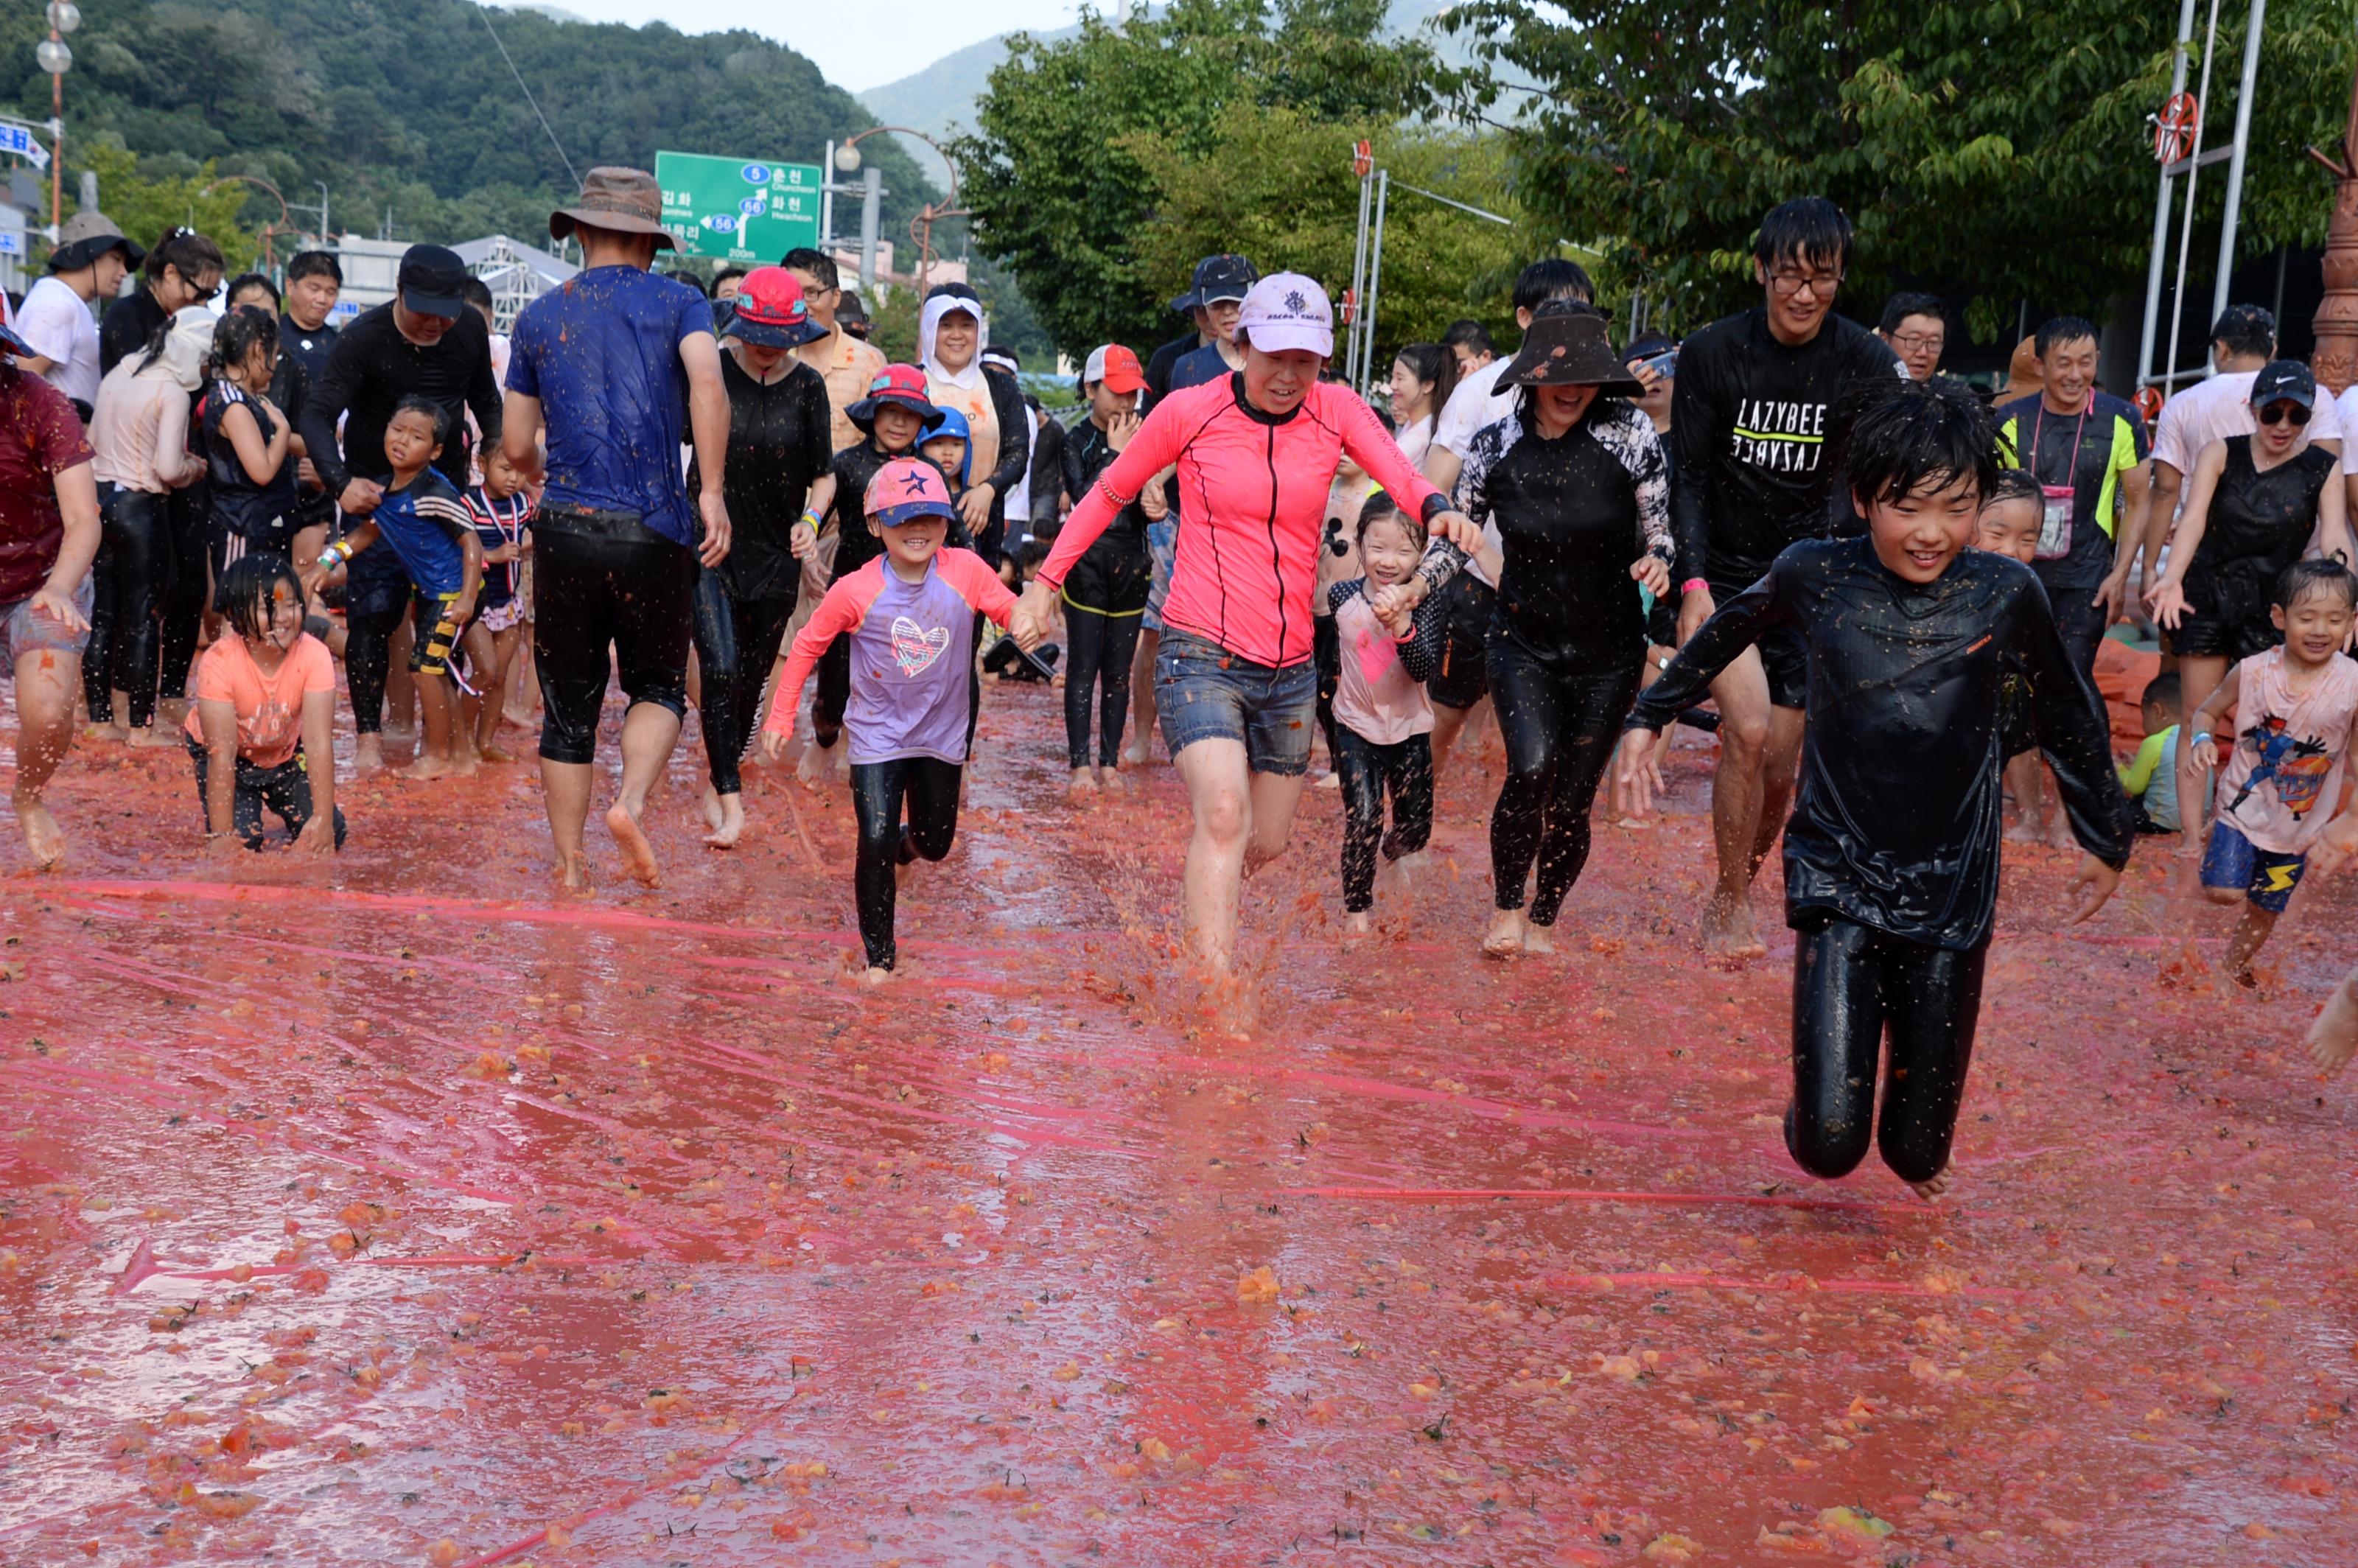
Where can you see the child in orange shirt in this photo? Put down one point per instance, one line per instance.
(265, 700)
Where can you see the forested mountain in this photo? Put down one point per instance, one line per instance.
(408, 105)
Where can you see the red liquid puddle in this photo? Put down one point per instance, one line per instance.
(401, 1211)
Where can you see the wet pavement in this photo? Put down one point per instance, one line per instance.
(400, 1211)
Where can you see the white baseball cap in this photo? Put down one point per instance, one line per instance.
(1286, 310)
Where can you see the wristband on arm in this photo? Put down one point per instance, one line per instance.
(1694, 585)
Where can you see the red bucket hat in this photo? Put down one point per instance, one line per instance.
(904, 384)
(905, 490)
(771, 312)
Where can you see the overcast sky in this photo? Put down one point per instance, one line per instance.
(859, 44)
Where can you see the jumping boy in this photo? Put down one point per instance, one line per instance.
(2294, 706)
(424, 519)
(1891, 857)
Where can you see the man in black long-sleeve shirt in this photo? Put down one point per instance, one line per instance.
(424, 342)
(1891, 859)
(1752, 420)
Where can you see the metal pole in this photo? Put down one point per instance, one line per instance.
(57, 147)
(826, 201)
(1376, 265)
(323, 209)
(2235, 164)
(2161, 210)
(1359, 282)
(872, 180)
(2186, 230)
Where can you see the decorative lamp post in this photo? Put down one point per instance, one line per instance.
(52, 55)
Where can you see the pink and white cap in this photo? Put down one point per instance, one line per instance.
(1286, 310)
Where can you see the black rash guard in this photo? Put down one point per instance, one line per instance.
(1896, 823)
(1752, 420)
(778, 447)
(2258, 526)
(1573, 513)
(856, 543)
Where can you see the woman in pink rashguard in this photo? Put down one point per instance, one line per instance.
(1234, 681)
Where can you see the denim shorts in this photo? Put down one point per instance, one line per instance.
(1161, 553)
(2232, 863)
(22, 632)
(1203, 692)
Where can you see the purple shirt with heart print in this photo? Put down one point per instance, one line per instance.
(911, 654)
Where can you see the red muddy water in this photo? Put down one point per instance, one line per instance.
(401, 1212)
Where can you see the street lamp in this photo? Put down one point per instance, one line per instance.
(52, 56)
(921, 227)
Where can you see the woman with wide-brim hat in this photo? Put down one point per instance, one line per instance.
(1575, 481)
(777, 483)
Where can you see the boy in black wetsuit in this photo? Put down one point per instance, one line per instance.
(1891, 857)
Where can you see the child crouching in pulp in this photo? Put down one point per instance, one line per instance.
(265, 705)
(1891, 855)
(1383, 721)
(909, 617)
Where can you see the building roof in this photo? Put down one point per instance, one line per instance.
(497, 250)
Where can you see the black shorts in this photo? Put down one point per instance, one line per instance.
(2205, 636)
(437, 630)
(1784, 652)
(1463, 677)
(2080, 622)
(604, 581)
(1111, 581)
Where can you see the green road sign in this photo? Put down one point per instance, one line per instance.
(738, 210)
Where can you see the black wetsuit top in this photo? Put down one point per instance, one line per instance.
(778, 447)
(1896, 825)
(1752, 422)
(371, 368)
(856, 547)
(1088, 454)
(1573, 513)
(2258, 526)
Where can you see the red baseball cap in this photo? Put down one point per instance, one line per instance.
(770, 311)
(1116, 367)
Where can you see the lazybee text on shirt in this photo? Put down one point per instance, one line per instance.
(1787, 437)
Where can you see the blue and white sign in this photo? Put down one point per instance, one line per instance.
(18, 139)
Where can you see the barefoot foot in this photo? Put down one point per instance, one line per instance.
(874, 976)
(1932, 1191)
(1084, 784)
(1113, 779)
(1727, 930)
(154, 737)
(819, 761)
(428, 767)
(368, 754)
(41, 836)
(711, 804)
(1505, 938)
(1537, 940)
(638, 855)
(110, 730)
(732, 825)
(1357, 924)
(573, 873)
(495, 754)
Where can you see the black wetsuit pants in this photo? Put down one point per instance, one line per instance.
(1367, 770)
(614, 600)
(368, 657)
(930, 789)
(186, 510)
(1853, 986)
(737, 642)
(1561, 731)
(1326, 652)
(129, 582)
(1101, 648)
(285, 789)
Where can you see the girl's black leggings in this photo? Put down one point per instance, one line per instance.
(1367, 770)
(737, 640)
(187, 512)
(131, 579)
(1561, 730)
(1099, 652)
(1853, 986)
(930, 787)
(368, 655)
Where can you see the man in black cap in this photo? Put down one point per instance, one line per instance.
(1211, 302)
(55, 321)
(621, 367)
(424, 341)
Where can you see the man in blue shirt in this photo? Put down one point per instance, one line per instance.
(620, 366)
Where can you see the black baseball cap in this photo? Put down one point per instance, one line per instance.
(2283, 380)
(1226, 276)
(429, 280)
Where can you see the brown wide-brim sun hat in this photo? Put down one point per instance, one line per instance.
(620, 201)
(1568, 348)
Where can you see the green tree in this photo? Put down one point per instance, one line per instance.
(1279, 187)
(1056, 171)
(143, 208)
(1995, 148)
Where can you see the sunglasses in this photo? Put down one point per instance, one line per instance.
(2284, 413)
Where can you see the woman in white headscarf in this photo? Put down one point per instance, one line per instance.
(951, 335)
(139, 430)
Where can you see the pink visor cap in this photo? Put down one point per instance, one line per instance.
(1286, 310)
